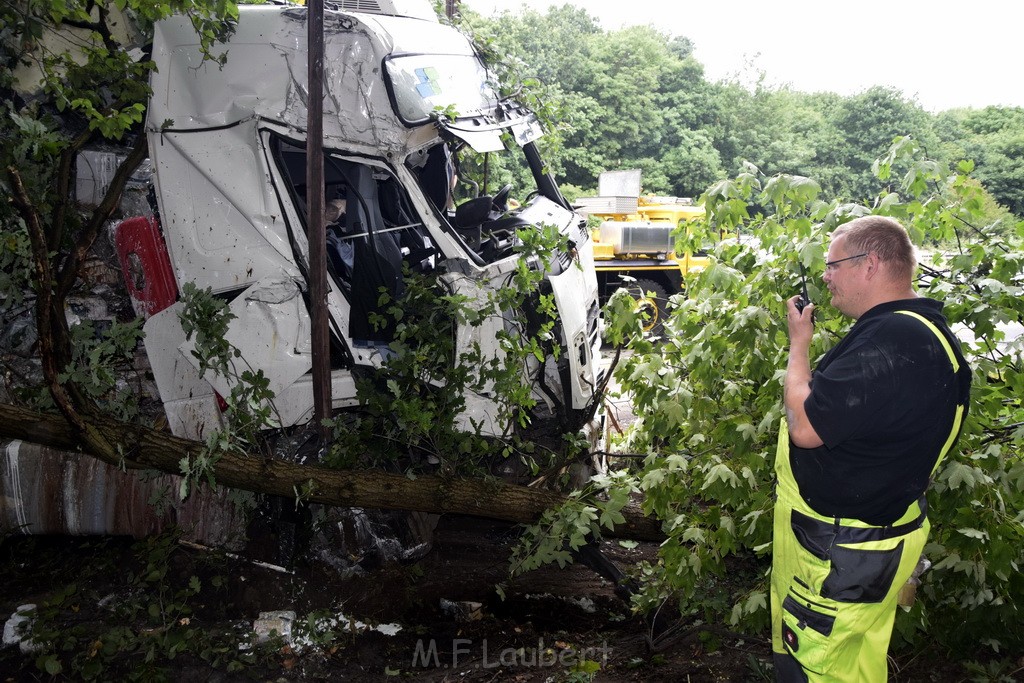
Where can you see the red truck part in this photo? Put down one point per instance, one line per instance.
(145, 265)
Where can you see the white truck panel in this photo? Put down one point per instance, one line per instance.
(219, 229)
(271, 329)
(189, 401)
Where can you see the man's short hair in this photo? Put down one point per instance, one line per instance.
(885, 237)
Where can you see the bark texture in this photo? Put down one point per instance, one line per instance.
(145, 448)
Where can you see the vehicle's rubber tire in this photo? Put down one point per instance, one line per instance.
(652, 298)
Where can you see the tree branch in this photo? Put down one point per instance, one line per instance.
(50, 321)
(361, 488)
(63, 188)
(69, 269)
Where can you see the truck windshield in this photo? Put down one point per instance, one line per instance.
(422, 84)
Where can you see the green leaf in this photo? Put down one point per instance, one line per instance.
(747, 430)
(50, 664)
(756, 601)
(587, 666)
(974, 533)
(693, 534)
(959, 474)
(721, 472)
(611, 518)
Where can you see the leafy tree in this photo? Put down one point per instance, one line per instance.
(777, 130)
(992, 120)
(971, 134)
(531, 56)
(709, 406)
(1001, 169)
(82, 78)
(555, 47)
(691, 165)
(635, 98)
(624, 98)
(866, 124)
(995, 140)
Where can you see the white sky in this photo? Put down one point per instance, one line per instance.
(943, 54)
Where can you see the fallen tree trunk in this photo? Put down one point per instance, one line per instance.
(145, 448)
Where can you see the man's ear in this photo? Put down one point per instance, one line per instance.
(874, 265)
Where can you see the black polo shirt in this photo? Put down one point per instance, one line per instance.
(883, 401)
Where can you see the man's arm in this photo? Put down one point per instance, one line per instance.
(797, 386)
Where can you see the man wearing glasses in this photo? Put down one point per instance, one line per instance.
(862, 436)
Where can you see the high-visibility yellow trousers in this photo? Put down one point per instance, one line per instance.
(834, 585)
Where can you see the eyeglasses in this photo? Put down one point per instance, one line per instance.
(831, 265)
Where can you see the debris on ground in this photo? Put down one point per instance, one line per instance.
(17, 628)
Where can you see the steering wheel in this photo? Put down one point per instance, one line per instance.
(500, 201)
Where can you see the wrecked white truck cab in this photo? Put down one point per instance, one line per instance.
(228, 152)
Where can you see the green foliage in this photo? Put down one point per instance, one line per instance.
(98, 355)
(572, 525)
(709, 405)
(417, 403)
(250, 404)
(207, 318)
(152, 621)
(612, 99)
(997, 671)
(992, 138)
(74, 73)
(15, 263)
(102, 367)
(632, 98)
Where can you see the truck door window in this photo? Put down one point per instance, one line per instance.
(372, 233)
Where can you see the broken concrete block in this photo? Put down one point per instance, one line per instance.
(279, 622)
(18, 627)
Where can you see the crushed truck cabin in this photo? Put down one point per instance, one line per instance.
(228, 158)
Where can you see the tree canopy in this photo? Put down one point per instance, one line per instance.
(785, 168)
(637, 98)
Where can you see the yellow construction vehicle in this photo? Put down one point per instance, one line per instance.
(634, 243)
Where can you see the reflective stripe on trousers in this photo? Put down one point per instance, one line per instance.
(834, 585)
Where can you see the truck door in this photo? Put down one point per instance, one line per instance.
(373, 236)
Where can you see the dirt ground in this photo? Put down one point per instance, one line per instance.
(553, 625)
